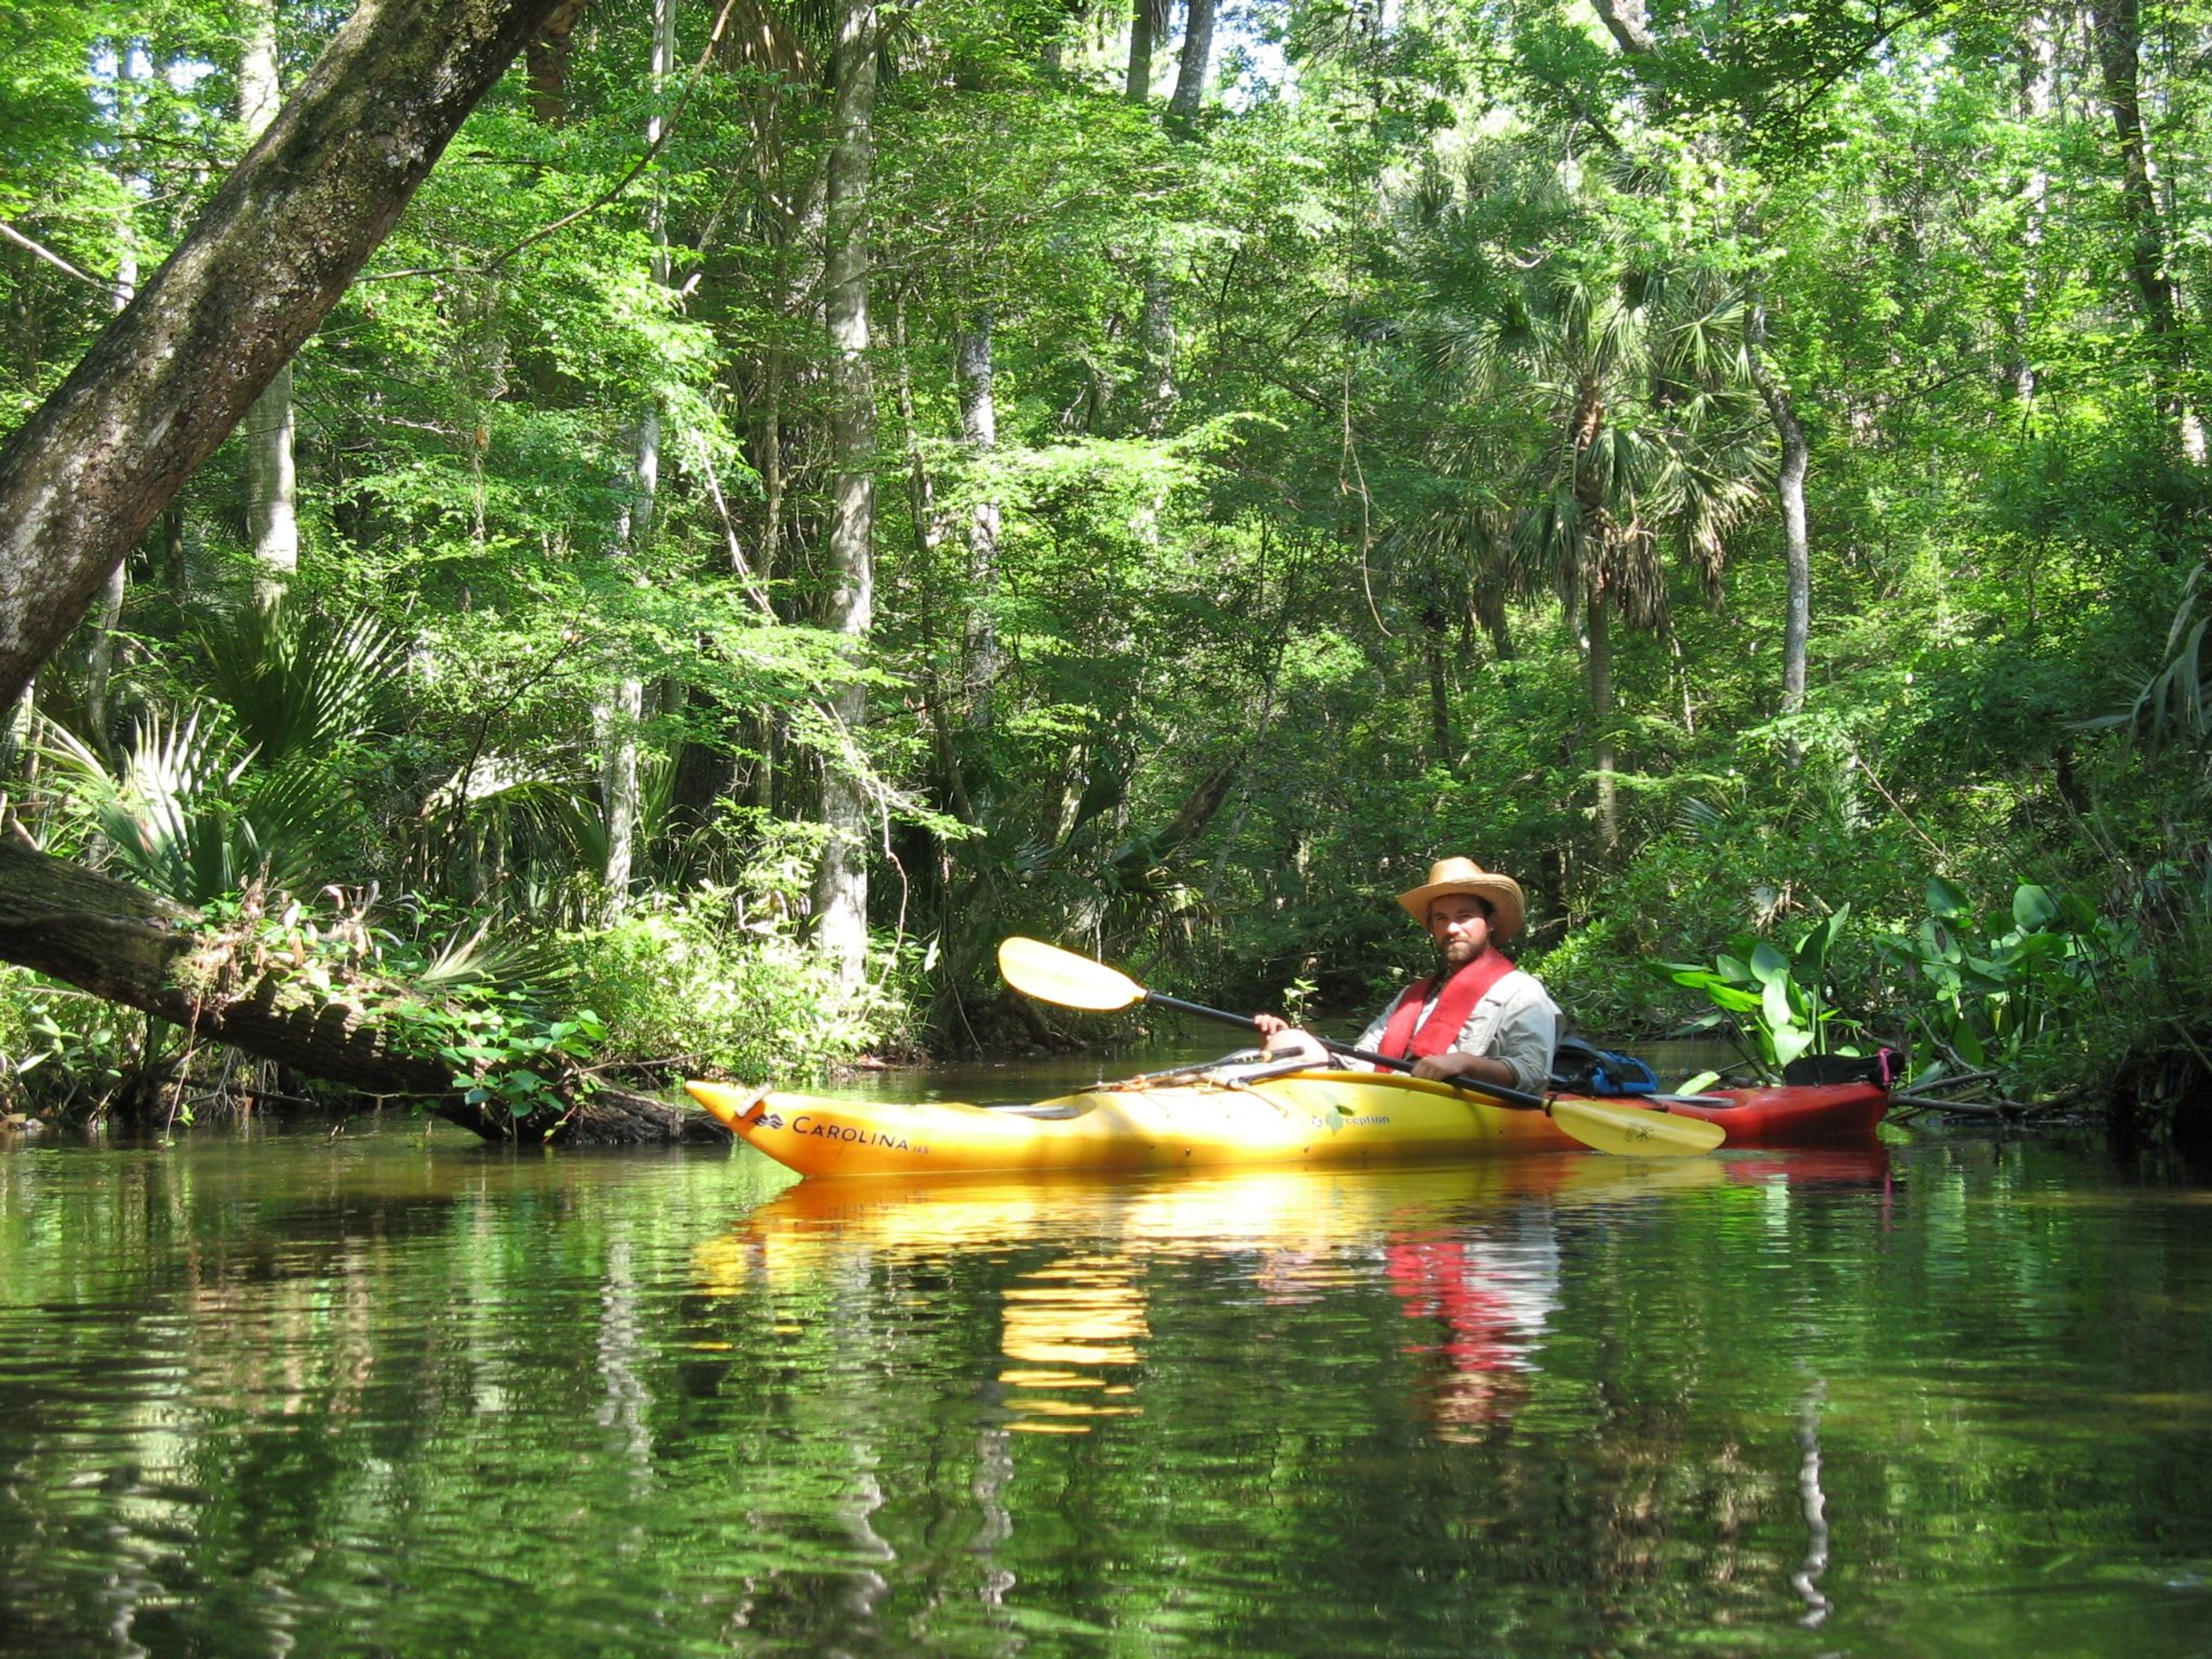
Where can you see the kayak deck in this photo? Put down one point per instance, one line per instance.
(1230, 1118)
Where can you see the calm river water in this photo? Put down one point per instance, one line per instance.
(393, 1395)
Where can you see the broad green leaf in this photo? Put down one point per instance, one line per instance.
(1774, 1006)
(1819, 941)
(1939, 942)
(2034, 908)
(1944, 899)
(1768, 965)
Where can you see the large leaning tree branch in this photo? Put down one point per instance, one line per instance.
(1625, 20)
(128, 945)
(162, 386)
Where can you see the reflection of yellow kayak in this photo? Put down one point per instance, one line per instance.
(813, 1223)
(1071, 1256)
(1212, 1210)
(1214, 1121)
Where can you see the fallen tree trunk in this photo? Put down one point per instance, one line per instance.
(127, 945)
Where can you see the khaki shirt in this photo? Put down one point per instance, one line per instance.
(1516, 1022)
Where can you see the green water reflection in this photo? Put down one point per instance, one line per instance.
(382, 1396)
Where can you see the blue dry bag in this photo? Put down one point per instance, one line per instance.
(1584, 1068)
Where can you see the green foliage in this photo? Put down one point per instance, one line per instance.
(300, 686)
(495, 1013)
(255, 783)
(63, 1053)
(687, 987)
(1778, 1002)
(508, 1056)
(2007, 984)
(2172, 708)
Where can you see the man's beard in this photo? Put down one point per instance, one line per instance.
(1445, 964)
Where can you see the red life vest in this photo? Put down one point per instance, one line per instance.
(1461, 992)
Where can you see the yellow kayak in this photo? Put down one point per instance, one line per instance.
(1220, 1119)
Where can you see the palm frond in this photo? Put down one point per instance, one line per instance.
(300, 686)
(1697, 818)
(172, 818)
(502, 961)
(2170, 706)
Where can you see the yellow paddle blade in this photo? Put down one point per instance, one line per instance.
(1635, 1131)
(1052, 975)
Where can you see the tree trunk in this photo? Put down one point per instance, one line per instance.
(920, 487)
(127, 945)
(16, 723)
(979, 429)
(1595, 565)
(175, 571)
(82, 479)
(1197, 60)
(99, 661)
(1789, 485)
(1626, 21)
(928, 541)
(2119, 30)
(1157, 339)
(1139, 87)
(546, 58)
(616, 721)
(272, 518)
(770, 442)
(2039, 92)
(1599, 628)
(1436, 642)
(841, 888)
(1490, 611)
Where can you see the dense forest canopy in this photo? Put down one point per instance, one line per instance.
(803, 492)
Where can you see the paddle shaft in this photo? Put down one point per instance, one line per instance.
(1497, 1091)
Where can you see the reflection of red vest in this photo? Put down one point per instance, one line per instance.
(1461, 992)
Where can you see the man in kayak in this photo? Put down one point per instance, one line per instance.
(1478, 1016)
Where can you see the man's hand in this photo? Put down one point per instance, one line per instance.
(1450, 1067)
(1269, 1025)
(1288, 1042)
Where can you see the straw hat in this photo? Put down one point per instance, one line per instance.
(1457, 875)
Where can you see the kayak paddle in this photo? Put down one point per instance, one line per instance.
(1052, 975)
